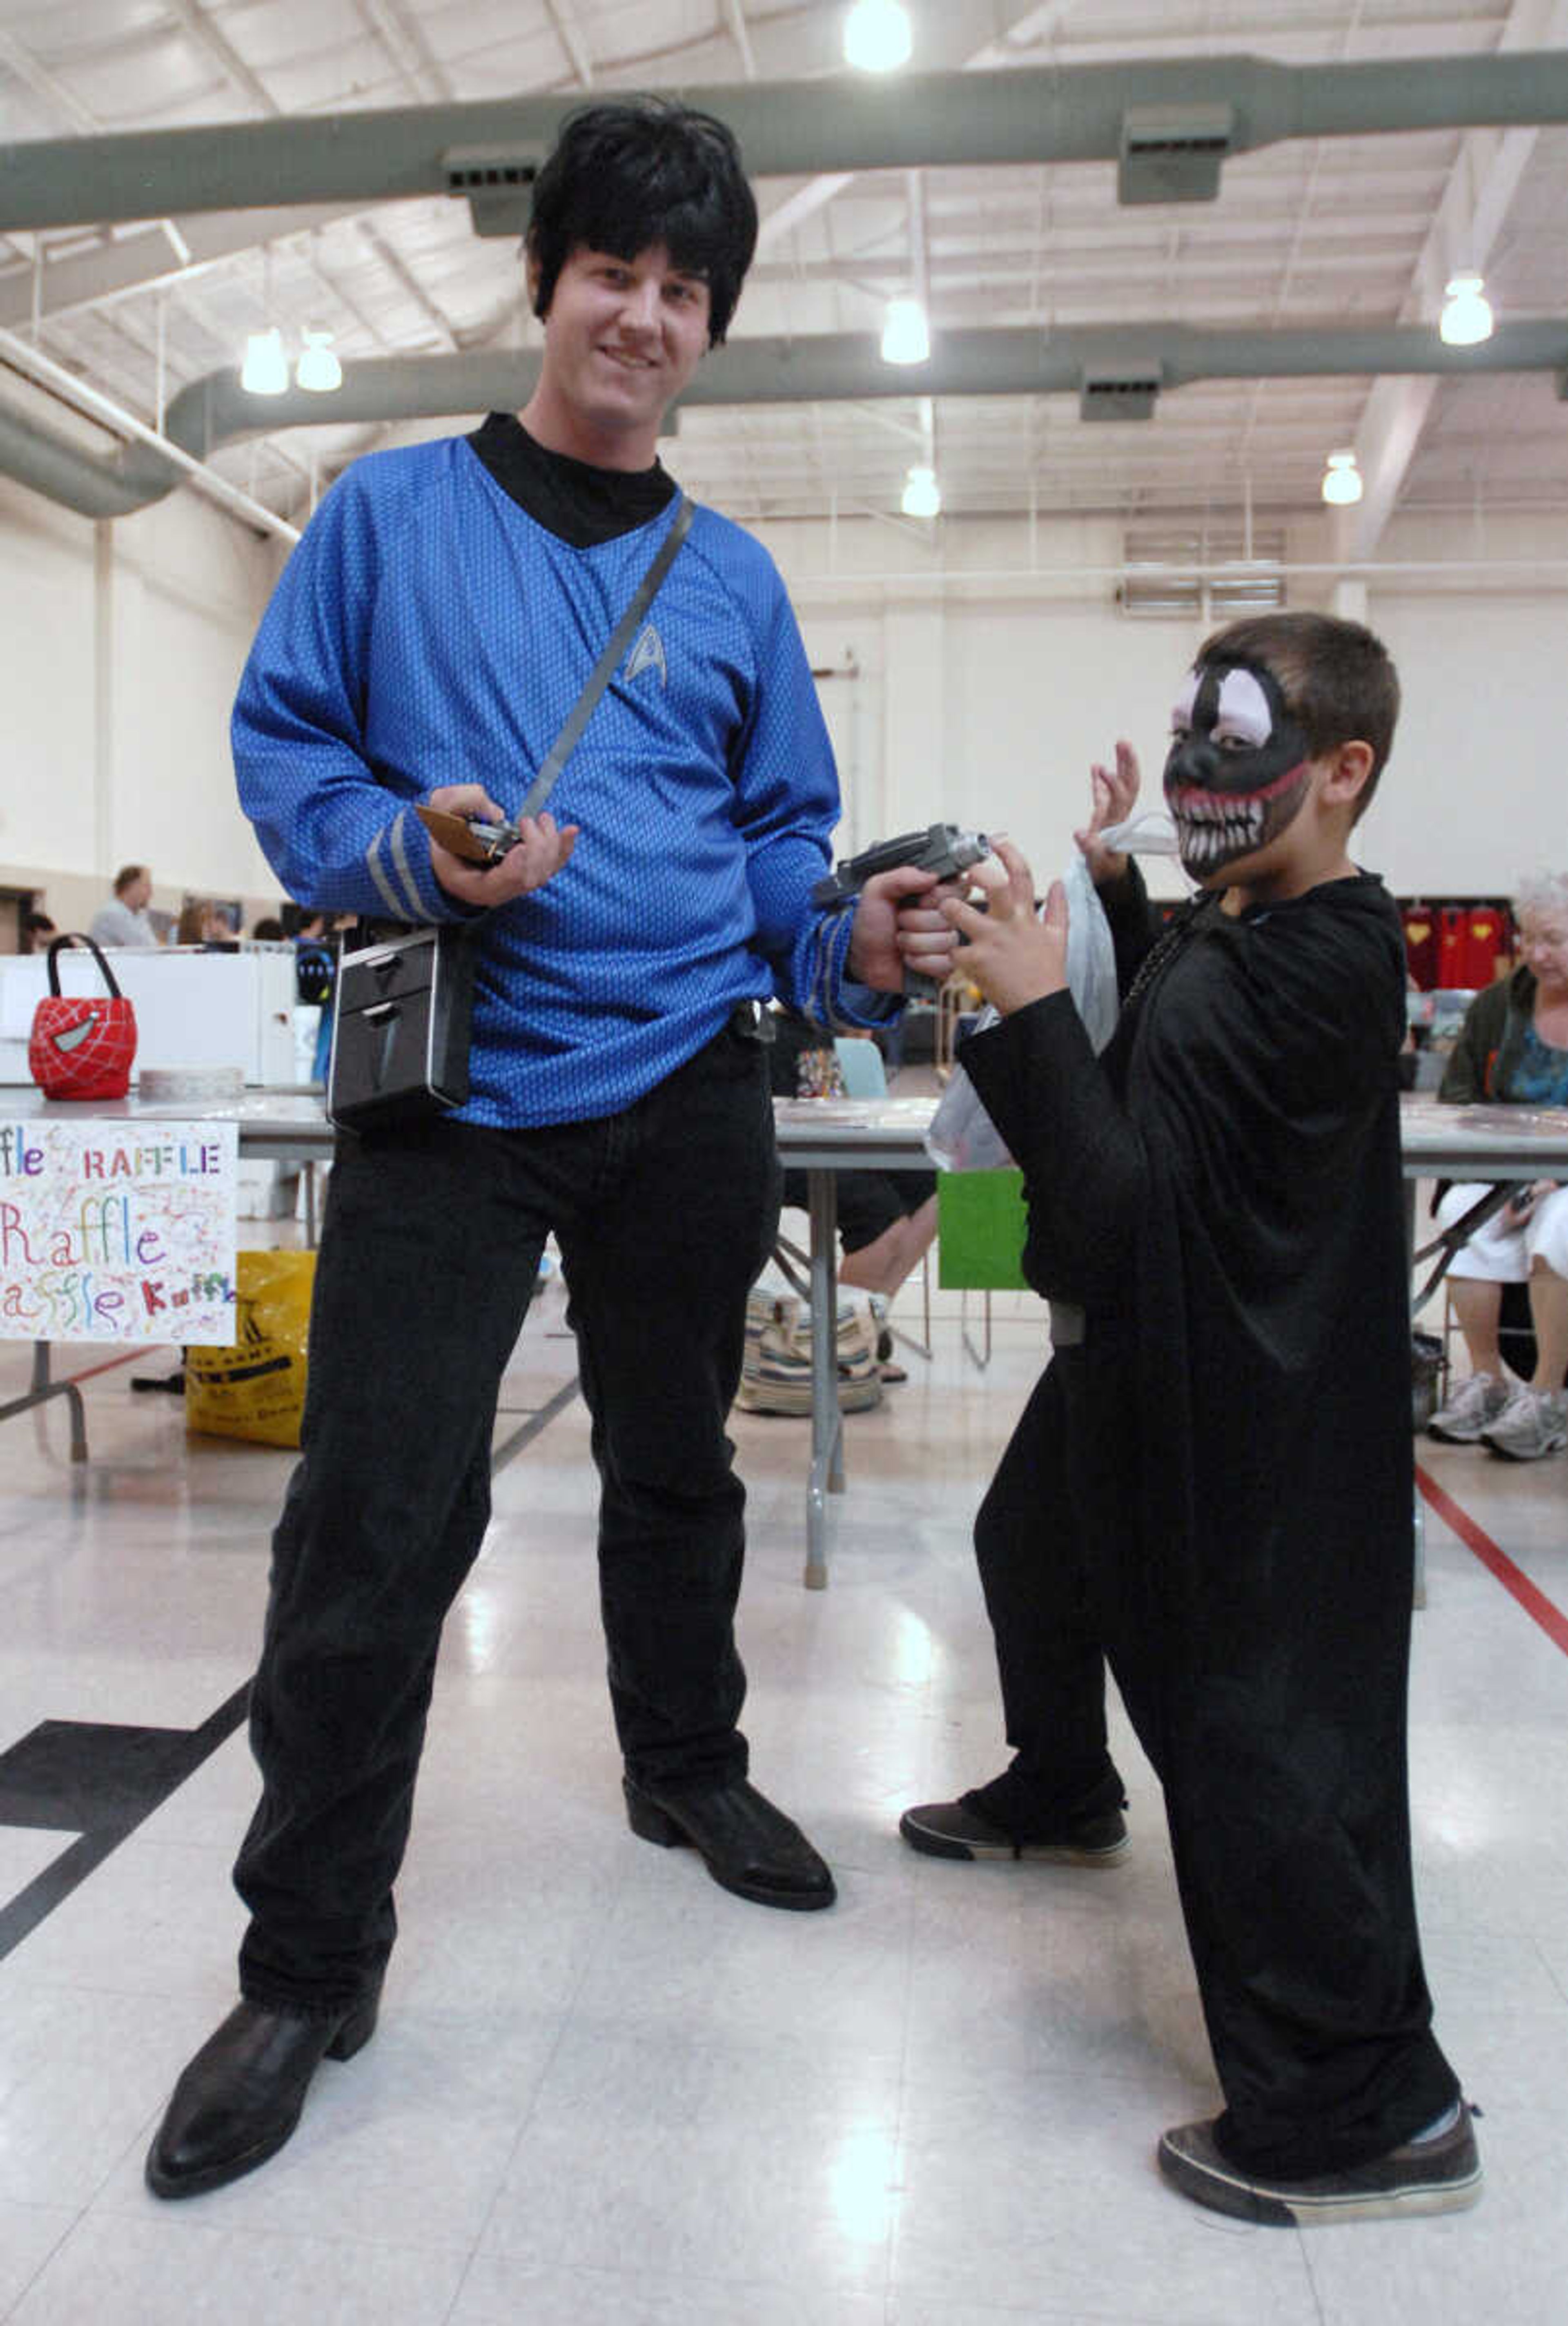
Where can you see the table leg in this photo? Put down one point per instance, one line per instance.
(43, 1389)
(827, 1417)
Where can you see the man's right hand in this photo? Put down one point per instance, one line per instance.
(543, 848)
(1114, 791)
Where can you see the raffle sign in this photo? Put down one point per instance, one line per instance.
(118, 1229)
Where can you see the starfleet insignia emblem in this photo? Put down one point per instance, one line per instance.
(647, 653)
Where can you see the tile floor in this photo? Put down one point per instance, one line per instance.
(606, 2093)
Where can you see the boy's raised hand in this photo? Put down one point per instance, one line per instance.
(1013, 958)
(1113, 792)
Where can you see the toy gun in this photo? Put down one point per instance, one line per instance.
(941, 848)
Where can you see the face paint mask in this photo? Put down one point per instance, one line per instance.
(1237, 768)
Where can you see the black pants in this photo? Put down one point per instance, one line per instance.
(430, 1247)
(1291, 1836)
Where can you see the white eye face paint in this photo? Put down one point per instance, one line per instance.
(1244, 712)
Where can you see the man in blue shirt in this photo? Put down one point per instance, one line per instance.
(431, 632)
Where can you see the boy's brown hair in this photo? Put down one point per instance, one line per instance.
(1338, 680)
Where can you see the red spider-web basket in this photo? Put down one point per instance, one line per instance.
(82, 1044)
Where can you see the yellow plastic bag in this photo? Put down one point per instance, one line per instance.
(256, 1388)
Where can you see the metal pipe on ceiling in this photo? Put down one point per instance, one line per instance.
(38, 455)
(216, 411)
(1074, 113)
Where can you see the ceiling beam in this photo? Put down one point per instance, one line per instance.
(1470, 220)
(983, 119)
(573, 40)
(403, 38)
(222, 51)
(134, 264)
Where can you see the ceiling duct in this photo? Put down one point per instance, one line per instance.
(1077, 113)
(1110, 372)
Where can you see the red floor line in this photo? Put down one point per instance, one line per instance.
(89, 1372)
(1534, 1602)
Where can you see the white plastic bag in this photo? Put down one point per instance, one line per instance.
(962, 1136)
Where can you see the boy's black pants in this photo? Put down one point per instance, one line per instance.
(1290, 1832)
(430, 1244)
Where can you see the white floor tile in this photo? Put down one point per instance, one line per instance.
(605, 2091)
(501, 2293)
(150, 2271)
(29, 2235)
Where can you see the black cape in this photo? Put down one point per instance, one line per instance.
(1222, 1193)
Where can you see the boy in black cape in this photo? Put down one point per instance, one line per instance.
(1211, 1488)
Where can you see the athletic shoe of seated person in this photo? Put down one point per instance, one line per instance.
(1534, 1421)
(1439, 2175)
(1474, 1406)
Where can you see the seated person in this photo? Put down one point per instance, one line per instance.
(202, 923)
(886, 1219)
(1513, 1050)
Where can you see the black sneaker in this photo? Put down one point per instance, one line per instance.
(1441, 2176)
(958, 1830)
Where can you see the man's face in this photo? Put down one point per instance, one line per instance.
(1238, 768)
(622, 338)
(139, 895)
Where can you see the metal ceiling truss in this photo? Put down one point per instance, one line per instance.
(1160, 122)
(1168, 126)
(1115, 374)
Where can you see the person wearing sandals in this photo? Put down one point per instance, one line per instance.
(1512, 1050)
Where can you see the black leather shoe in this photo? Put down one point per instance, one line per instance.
(746, 1845)
(241, 2096)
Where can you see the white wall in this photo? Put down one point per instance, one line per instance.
(982, 691)
(120, 648)
(977, 670)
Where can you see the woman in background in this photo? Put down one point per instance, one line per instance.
(1513, 1050)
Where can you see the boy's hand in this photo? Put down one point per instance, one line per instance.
(543, 848)
(899, 926)
(1114, 793)
(1011, 956)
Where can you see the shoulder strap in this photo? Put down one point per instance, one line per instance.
(578, 717)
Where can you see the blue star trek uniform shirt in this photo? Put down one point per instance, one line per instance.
(430, 629)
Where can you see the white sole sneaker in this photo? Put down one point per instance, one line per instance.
(1443, 2175)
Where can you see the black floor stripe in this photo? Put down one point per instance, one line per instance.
(102, 1781)
(510, 1447)
(106, 1781)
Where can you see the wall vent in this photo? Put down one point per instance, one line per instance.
(497, 181)
(1128, 393)
(1173, 153)
(1169, 573)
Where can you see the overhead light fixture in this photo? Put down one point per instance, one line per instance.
(319, 369)
(1343, 486)
(266, 369)
(1467, 317)
(905, 333)
(922, 493)
(877, 35)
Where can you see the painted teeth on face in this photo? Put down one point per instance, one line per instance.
(1210, 829)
